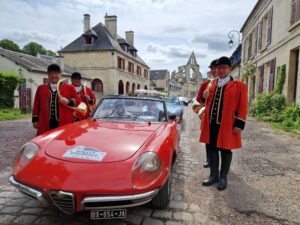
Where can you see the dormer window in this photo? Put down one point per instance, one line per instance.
(88, 40)
(89, 37)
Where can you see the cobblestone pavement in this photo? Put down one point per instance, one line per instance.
(263, 183)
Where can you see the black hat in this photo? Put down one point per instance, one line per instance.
(76, 75)
(224, 61)
(213, 63)
(53, 68)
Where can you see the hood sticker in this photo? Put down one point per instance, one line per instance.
(83, 152)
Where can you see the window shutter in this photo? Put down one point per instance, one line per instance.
(256, 39)
(250, 46)
(293, 12)
(272, 74)
(261, 79)
(269, 29)
(259, 36)
(297, 10)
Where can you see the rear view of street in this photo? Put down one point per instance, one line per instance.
(263, 183)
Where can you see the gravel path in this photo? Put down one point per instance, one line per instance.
(263, 183)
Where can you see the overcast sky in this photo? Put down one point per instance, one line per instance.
(166, 31)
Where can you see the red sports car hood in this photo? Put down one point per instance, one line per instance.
(96, 141)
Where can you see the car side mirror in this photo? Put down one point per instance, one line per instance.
(172, 116)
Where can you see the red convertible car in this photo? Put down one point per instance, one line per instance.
(119, 158)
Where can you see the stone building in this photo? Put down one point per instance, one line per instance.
(189, 77)
(175, 88)
(236, 63)
(271, 42)
(159, 80)
(34, 71)
(110, 60)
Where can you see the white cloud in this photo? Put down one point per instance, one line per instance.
(166, 31)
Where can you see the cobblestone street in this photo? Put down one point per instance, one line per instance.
(263, 183)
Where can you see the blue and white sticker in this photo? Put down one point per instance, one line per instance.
(83, 152)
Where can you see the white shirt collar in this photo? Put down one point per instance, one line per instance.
(78, 89)
(53, 87)
(222, 82)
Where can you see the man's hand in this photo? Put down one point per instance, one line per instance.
(64, 101)
(205, 94)
(237, 130)
(35, 125)
(87, 98)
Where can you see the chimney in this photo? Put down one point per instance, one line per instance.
(86, 22)
(60, 62)
(111, 25)
(130, 37)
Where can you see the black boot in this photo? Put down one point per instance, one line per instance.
(214, 168)
(207, 161)
(226, 157)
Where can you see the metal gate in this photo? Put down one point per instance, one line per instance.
(24, 98)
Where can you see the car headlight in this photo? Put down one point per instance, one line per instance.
(146, 170)
(25, 155)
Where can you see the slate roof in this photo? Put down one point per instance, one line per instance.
(158, 74)
(103, 42)
(36, 64)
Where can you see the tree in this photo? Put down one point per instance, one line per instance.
(9, 45)
(50, 53)
(34, 48)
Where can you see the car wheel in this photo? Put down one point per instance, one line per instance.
(161, 200)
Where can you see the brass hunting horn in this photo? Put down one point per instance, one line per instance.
(80, 110)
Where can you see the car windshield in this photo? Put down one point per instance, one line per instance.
(171, 100)
(123, 109)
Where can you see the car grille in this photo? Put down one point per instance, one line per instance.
(63, 201)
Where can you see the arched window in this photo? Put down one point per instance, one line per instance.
(97, 85)
(138, 87)
(127, 87)
(121, 88)
(133, 88)
(145, 87)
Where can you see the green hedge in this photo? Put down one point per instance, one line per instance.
(271, 107)
(8, 83)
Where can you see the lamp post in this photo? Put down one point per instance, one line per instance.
(231, 37)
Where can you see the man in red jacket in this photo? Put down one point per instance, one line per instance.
(86, 94)
(201, 98)
(49, 111)
(224, 119)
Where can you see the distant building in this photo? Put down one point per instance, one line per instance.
(189, 77)
(110, 60)
(175, 88)
(271, 42)
(34, 71)
(160, 80)
(236, 62)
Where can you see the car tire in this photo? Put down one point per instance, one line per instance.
(161, 200)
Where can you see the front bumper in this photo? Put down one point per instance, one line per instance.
(25, 189)
(66, 201)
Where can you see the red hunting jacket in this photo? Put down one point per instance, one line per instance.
(234, 113)
(202, 88)
(41, 106)
(89, 104)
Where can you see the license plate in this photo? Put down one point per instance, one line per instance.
(108, 214)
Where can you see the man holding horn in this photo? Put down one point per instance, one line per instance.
(49, 110)
(203, 94)
(86, 94)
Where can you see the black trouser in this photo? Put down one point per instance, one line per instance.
(53, 123)
(226, 154)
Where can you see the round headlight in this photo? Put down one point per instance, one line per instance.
(146, 170)
(26, 153)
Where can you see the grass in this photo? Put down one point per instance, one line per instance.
(12, 114)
